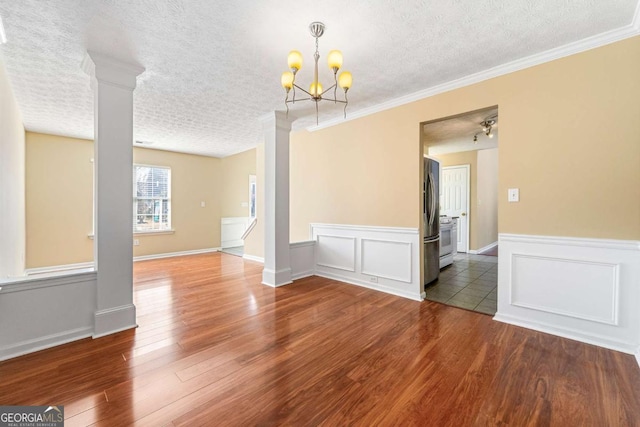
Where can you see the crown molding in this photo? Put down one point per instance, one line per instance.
(602, 39)
(3, 35)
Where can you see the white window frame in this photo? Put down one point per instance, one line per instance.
(168, 228)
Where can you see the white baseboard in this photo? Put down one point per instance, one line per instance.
(277, 278)
(89, 266)
(375, 287)
(112, 320)
(638, 356)
(174, 254)
(41, 343)
(59, 268)
(564, 332)
(302, 274)
(253, 258)
(484, 249)
(577, 288)
(386, 259)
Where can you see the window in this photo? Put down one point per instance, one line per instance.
(151, 198)
(252, 196)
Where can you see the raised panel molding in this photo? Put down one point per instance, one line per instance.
(386, 259)
(588, 289)
(337, 252)
(578, 288)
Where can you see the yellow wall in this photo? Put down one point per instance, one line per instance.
(12, 183)
(235, 183)
(194, 179)
(59, 194)
(487, 200)
(467, 158)
(483, 193)
(568, 140)
(59, 201)
(254, 244)
(361, 172)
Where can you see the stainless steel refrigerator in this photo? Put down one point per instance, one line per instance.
(431, 214)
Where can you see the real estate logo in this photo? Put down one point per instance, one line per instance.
(31, 416)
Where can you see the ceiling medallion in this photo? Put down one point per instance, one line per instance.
(315, 92)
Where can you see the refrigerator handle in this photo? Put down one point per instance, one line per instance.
(424, 196)
(432, 187)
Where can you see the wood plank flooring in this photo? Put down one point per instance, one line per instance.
(215, 347)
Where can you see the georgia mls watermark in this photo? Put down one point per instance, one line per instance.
(31, 416)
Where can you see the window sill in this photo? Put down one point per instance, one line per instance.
(156, 232)
(143, 233)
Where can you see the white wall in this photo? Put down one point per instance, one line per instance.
(12, 183)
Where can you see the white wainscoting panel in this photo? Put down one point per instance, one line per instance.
(231, 231)
(575, 288)
(583, 289)
(386, 259)
(303, 256)
(337, 252)
(39, 313)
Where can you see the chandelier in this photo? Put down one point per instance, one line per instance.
(315, 92)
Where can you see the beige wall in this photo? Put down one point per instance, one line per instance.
(194, 179)
(235, 183)
(60, 196)
(12, 183)
(360, 173)
(254, 244)
(487, 200)
(571, 173)
(467, 158)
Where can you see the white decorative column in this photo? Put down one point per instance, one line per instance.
(113, 83)
(277, 267)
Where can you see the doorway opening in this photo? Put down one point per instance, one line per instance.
(466, 147)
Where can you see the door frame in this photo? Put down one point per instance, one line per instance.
(467, 166)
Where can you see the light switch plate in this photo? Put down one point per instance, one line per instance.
(514, 195)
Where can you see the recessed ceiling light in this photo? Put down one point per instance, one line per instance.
(3, 35)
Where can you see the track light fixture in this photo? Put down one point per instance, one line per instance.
(487, 127)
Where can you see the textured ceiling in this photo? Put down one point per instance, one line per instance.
(465, 125)
(455, 134)
(213, 67)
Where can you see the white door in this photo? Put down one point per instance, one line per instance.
(454, 200)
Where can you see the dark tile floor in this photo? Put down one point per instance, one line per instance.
(470, 282)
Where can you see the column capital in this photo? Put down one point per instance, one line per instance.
(278, 119)
(109, 70)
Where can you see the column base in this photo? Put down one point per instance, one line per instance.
(277, 278)
(112, 320)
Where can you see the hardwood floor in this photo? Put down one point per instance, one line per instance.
(215, 347)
